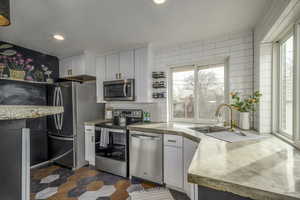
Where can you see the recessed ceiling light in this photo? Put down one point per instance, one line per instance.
(159, 1)
(58, 37)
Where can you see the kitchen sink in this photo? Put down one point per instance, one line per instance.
(209, 129)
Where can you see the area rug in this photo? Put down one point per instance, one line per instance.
(151, 194)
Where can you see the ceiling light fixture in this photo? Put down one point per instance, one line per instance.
(4, 13)
(159, 1)
(58, 37)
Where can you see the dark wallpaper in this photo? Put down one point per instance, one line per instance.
(20, 63)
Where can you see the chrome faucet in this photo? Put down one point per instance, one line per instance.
(218, 113)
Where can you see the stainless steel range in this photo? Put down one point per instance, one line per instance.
(112, 142)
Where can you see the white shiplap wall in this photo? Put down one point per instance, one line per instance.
(238, 47)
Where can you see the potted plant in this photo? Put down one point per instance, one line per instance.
(245, 106)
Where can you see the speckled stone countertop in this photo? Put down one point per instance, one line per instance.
(262, 169)
(13, 112)
(97, 121)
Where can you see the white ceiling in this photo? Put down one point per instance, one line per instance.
(105, 25)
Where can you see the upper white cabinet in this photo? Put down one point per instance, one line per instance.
(120, 65)
(142, 75)
(100, 77)
(130, 64)
(78, 65)
(112, 66)
(127, 64)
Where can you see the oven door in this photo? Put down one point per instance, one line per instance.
(113, 157)
(120, 90)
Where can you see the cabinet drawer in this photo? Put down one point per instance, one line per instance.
(89, 129)
(173, 140)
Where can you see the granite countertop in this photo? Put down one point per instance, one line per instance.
(97, 121)
(260, 169)
(13, 112)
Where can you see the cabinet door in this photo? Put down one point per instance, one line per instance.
(87, 149)
(90, 144)
(189, 149)
(127, 64)
(100, 77)
(78, 67)
(142, 75)
(173, 166)
(112, 66)
(65, 67)
(90, 63)
(92, 149)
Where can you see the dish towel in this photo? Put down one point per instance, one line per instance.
(104, 139)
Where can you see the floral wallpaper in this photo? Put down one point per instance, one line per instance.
(19, 63)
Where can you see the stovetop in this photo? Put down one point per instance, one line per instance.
(132, 116)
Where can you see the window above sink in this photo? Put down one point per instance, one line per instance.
(197, 90)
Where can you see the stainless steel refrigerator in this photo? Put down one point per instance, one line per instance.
(66, 130)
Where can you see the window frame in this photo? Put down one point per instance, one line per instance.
(195, 67)
(276, 66)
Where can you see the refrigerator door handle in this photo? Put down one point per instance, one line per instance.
(60, 138)
(55, 104)
(61, 104)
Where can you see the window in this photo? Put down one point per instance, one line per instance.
(286, 91)
(286, 86)
(196, 91)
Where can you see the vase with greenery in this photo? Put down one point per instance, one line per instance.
(245, 106)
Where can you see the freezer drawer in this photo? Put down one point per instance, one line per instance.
(61, 150)
(146, 156)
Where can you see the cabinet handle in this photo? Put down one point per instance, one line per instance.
(93, 139)
(173, 141)
(88, 129)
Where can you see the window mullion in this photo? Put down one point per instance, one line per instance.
(196, 103)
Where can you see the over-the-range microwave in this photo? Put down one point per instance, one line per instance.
(119, 90)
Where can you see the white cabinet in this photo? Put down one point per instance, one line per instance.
(189, 149)
(143, 65)
(120, 65)
(127, 64)
(112, 66)
(100, 77)
(90, 144)
(173, 161)
(78, 65)
(65, 67)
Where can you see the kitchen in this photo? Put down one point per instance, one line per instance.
(168, 100)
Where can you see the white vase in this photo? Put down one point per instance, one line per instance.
(244, 122)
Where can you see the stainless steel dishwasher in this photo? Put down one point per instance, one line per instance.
(146, 156)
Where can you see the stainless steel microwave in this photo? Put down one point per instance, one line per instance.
(119, 90)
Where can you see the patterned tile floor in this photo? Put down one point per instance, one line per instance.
(57, 183)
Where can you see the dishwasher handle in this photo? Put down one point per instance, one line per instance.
(145, 137)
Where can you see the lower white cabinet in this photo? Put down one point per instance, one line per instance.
(90, 144)
(178, 155)
(173, 161)
(189, 149)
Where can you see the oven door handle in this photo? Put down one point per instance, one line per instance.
(125, 88)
